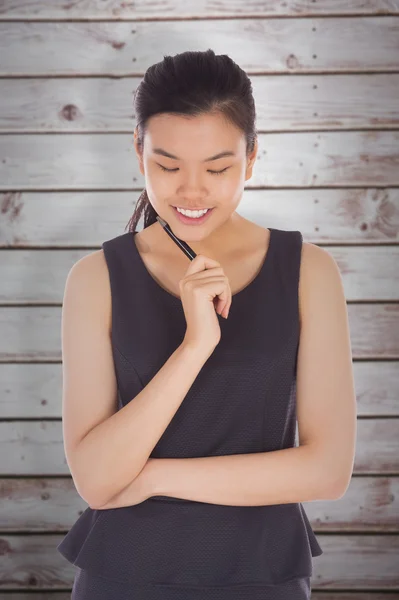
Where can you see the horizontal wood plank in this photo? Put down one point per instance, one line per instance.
(322, 595)
(284, 103)
(189, 9)
(358, 562)
(316, 595)
(75, 80)
(368, 273)
(85, 219)
(34, 391)
(34, 333)
(117, 49)
(36, 448)
(99, 161)
(37, 505)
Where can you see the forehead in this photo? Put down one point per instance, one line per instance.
(193, 138)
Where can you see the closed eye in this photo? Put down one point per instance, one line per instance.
(209, 171)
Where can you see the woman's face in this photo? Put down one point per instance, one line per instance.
(190, 179)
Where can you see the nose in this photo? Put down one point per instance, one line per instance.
(192, 185)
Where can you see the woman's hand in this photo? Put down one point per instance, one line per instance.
(204, 291)
(139, 490)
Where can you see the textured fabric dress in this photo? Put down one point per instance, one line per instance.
(242, 401)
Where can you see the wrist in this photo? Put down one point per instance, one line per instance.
(153, 476)
(195, 352)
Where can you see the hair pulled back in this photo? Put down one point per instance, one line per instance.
(192, 83)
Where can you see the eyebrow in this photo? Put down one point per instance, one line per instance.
(215, 157)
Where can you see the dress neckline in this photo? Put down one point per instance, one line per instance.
(240, 294)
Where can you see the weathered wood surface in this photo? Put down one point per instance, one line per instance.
(44, 595)
(86, 218)
(369, 273)
(34, 390)
(285, 103)
(34, 333)
(373, 561)
(36, 448)
(189, 9)
(108, 160)
(52, 504)
(278, 45)
(325, 78)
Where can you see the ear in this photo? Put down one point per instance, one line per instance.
(251, 160)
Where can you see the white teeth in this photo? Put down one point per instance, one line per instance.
(192, 213)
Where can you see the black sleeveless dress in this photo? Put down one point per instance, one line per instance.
(242, 401)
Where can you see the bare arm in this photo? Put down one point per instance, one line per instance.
(256, 479)
(321, 467)
(106, 448)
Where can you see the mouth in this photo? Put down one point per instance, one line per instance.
(192, 220)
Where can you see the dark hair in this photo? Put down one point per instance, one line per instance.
(192, 83)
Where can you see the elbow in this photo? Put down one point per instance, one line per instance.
(333, 480)
(341, 488)
(329, 487)
(88, 489)
(87, 494)
(95, 497)
(336, 488)
(84, 485)
(92, 497)
(91, 488)
(342, 481)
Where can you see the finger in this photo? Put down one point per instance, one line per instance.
(221, 297)
(201, 262)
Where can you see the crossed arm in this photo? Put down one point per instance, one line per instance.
(321, 466)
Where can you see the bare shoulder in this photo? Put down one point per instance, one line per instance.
(92, 269)
(89, 277)
(319, 274)
(317, 258)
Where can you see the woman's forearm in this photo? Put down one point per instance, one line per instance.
(279, 477)
(115, 451)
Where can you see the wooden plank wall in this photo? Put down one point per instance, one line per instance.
(326, 84)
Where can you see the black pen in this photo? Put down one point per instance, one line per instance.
(180, 243)
(188, 251)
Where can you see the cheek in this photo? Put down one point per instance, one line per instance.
(159, 183)
(231, 192)
(228, 186)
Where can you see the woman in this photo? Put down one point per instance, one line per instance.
(183, 380)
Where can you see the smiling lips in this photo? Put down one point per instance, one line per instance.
(187, 220)
(187, 208)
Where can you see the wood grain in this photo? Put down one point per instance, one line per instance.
(325, 79)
